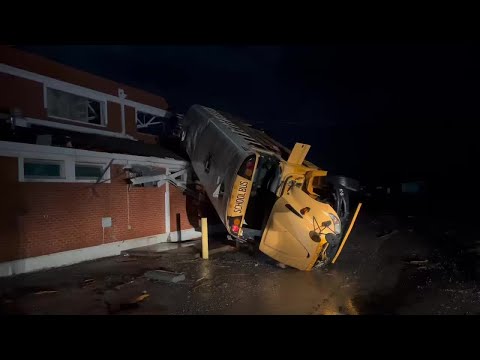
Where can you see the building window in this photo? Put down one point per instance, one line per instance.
(151, 124)
(63, 170)
(65, 106)
(35, 169)
(88, 171)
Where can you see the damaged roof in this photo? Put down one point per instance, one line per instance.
(92, 142)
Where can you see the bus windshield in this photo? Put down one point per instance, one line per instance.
(314, 184)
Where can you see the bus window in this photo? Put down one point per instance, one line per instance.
(314, 184)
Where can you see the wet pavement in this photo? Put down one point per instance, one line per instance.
(388, 266)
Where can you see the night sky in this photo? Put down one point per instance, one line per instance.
(369, 111)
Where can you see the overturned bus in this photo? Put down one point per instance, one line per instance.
(265, 194)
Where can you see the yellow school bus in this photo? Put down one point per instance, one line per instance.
(266, 194)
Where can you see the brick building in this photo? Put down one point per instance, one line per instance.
(69, 142)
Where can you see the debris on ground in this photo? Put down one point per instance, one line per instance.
(128, 259)
(167, 276)
(418, 262)
(134, 303)
(144, 253)
(180, 254)
(386, 233)
(281, 266)
(142, 297)
(201, 282)
(88, 282)
(256, 285)
(240, 274)
(222, 249)
(188, 261)
(118, 287)
(46, 292)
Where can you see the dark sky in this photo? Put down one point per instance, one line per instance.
(367, 110)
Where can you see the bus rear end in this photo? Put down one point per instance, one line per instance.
(240, 196)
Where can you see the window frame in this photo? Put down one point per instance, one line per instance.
(61, 163)
(151, 113)
(103, 105)
(82, 163)
(67, 168)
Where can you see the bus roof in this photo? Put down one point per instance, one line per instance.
(262, 139)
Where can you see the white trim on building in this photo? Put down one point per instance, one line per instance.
(81, 129)
(64, 258)
(34, 151)
(122, 96)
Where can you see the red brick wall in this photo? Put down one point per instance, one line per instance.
(146, 138)
(131, 127)
(130, 121)
(22, 93)
(178, 207)
(42, 218)
(114, 116)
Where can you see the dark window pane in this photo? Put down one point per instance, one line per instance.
(41, 170)
(89, 172)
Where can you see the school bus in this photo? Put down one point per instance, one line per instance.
(267, 194)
